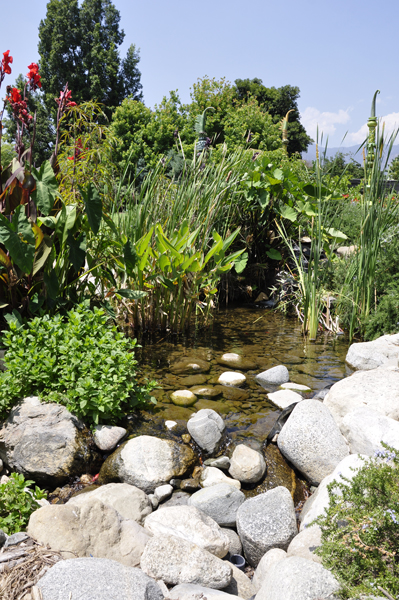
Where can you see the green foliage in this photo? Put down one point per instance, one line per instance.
(7, 154)
(277, 102)
(360, 529)
(78, 361)
(393, 171)
(17, 502)
(340, 165)
(79, 44)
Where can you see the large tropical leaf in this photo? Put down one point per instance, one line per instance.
(46, 188)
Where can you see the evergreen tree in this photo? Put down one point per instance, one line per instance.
(79, 45)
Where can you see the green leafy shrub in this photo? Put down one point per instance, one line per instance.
(17, 503)
(360, 529)
(78, 361)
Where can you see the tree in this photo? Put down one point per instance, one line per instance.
(277, 102)
(79, 45)
(393, 172)
(343, 164)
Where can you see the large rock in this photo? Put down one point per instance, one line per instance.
(45, 442)
(305, 543)
(97, 579)
(220, 502)
(296, 578)
(247, 465)
(266, 521)
(240, 585)
(235, 546)
(92, 529)
(311, 441)
(365, 429)
(320, 500)
(147, 462)
(378, 389)
(212, 476)
(176, 560)
(106, 437)
(130, 502)
(235, 361)
(284, 398)
(190, 524)
(274, 376)
(271, 557)
(206, 428)
(190, 591)
(232, 378)
(364, 356)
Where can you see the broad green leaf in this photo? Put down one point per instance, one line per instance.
(77, 250)
(93, 206)
(46, 188)
(42, 254)
(241, 262)
(264, 199)
(131, 294)
(163, 262)
(274, 254)
(20, 251)
(52, 284)
(278, 174)
(336, 234)
(143, 243)
(130, 256)
(287, 212)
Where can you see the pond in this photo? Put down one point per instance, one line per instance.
(261, 336)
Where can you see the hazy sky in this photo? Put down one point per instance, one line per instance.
(338, 53)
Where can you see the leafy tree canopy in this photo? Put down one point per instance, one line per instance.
(393, 172)
(343, 164)
(277, 102)
(79, 45)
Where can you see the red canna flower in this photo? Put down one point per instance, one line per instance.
(33, 76)
(6, 62)
(15, 96)
(71, 104)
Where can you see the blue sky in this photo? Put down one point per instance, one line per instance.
(338, 53)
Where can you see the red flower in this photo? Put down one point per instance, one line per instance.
(71, 104)
(15, 96)
(33, 76)
(6, 62)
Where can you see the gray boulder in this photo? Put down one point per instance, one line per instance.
(266, 521)
(377, 389)
(191, 524)
(235, 546)
(44, 442)
(284, 398)
(92, 529)
(274, 376)
(106, 437)
(296, 578)
(305, 543)
(130, 502)
(312, 441)
(320, 500)
(220, 502)
(271, 557)
(240, 584)
(176, 560)
(247, 465)
(212, 476)
(364, 356)
(206, 428)
(147, 462)
(189, 591)
(97, 579)
(365, 429)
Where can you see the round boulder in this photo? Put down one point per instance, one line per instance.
(220, 502)
(274, 376)
(183, 398)
(247, 465)
(235, 361)
(206, 428)
(147, 462)
(266, 521)
(312, 441)
(232, 378)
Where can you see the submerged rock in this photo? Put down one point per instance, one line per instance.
(235, 361)
(205, 391)
(183, 398)
(45, 442)
(190, 366)
(147, 462)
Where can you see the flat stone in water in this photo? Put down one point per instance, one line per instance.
(205, 391)
(284, 398)
(296, 387)
(190, 366)
(183, 398)
(217, 405)
(193, 380)
(235, 361)
(231, 393)
(232, 378)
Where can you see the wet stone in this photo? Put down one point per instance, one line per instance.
(205, 391)
(193, 380)
(190, 366)
(232, 378)
(183, 398)
(235, 361)
(231, 393)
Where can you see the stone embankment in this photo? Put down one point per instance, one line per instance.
(169, 516)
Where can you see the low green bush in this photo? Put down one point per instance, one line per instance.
(360, 528)
(78, 361)
(17, 502)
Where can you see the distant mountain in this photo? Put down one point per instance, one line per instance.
(349, 151)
